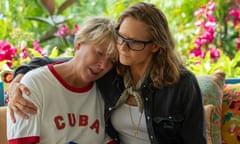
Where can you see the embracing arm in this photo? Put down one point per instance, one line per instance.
(16, 103)
(37, 62)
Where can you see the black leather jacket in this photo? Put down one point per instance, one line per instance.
(174, 114)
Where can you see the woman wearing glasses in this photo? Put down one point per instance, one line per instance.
(150, 97)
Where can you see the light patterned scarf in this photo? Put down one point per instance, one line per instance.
(130, 89)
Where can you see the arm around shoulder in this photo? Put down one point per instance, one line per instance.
(38, 62)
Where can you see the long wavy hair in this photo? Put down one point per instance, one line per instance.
(167, 65)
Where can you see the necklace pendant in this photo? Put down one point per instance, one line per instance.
(135, 133)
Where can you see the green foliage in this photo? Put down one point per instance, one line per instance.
(31, 16)
(226, 32)
(225, 36)
(25, 21)
(229, 66)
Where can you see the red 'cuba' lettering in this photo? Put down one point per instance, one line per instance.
(95, 126)
(59, 122)
(83, 120)
(71, 119)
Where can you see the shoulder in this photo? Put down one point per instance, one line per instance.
(46, 60)
(35, 74)
(187, 76)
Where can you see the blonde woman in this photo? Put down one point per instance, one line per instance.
(70, 106)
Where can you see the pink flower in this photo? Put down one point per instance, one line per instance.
(235, 15)
(76, 28)
(212, 19)
(198, 43)
(206, 23)
(208, 37)
(7, 52)
(200, 11)
(62, 30)
(198, 22)
(36, 46)
(197, 53)
(24, 53)
(214, 53)
(211, 6)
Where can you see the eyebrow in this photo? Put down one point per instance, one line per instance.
(122, 35)
(134, 40)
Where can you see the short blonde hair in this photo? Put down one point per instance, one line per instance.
(98, 30)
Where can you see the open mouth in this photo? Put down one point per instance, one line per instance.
(94, 72)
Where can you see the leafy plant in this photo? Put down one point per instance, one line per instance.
(217, 41)
(54, 19)
(229, 66)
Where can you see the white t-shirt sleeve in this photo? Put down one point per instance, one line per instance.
(24, 131)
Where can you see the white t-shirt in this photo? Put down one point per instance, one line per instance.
(127, 124)
(65, 114)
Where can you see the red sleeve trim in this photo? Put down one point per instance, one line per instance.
(111, 142)
(23, 140)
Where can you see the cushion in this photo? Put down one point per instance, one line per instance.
(6, 77)
(211, 87)
(1, 94)
(3, 125)
(209, 110)
(231, 114)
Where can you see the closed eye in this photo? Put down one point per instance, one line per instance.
(100, 53)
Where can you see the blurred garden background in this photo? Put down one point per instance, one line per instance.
(207, 32)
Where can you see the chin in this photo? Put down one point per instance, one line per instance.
(125, 63)
(92, 79)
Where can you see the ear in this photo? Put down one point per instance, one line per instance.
(155, 47)
(77, 46)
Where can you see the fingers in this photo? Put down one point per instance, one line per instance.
(18, 78)
(24, 89)
(14, 109)
(17, 103)
(12, 115)
(16, 89)
(26, 106)
(17, 100)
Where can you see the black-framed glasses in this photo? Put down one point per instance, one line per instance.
(135, 45)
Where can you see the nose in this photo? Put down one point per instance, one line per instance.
(103, 64)
(123, 46)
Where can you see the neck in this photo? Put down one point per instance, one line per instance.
(138, 72)
(68, 74)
